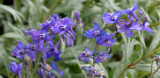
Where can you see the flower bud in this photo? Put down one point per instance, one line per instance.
(77, 15)
(70, 41)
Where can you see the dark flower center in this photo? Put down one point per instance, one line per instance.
(42, 36)
(22, 51)
(96, 33)
(63, 27)
(32, 47)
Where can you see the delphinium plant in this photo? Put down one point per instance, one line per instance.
(42, 41)
(102, 38)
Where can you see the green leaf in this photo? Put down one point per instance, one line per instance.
(17, 15)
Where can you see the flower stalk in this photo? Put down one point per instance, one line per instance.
(139, 60)
(29, 68)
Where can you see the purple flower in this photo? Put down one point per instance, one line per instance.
(106, 40)
(140, 14)
(85, 68)
(93, 70)
(55, 17)
(33, 47)
(131, 11)
(70, 41)
(51, 22)
(54, 67)
(15, 69)
(18, 50)
(40, 73)
(48, 69)
(142, 25)
(77, 17)
(86, 54)
(100, 74)
(94, 33)
(51, 51)
(29, 31)
(128, 28)
(101, 57)
(111, 18)
(64, 27)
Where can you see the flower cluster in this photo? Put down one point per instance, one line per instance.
(98, 57)
(42, 42)
(103, 38)
(47, 69)
(93, 71)
(127, 25)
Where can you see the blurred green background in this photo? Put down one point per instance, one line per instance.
(17, 15)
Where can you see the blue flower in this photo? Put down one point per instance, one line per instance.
(18, 50)
(48, 69)
(142, 25)
(64, 27)
(33, 47)
(54, 67)
(131, 11)
(29, 31)
(100, 74)
(128, 27)
(111, 18)
(15, 69)
(101, 57)
(94, 71)
(94, 33)
(40, 73)
(140, 14)
(86, 55)
(51, 51)
(106, 40)
(55, 17)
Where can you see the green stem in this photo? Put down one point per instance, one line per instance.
(36, 66)
(106, 27)
(92, 76)
(95, 53)
(132, 64)
(29, 67)
(152, 65)
(155, 72)
(51, 10)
